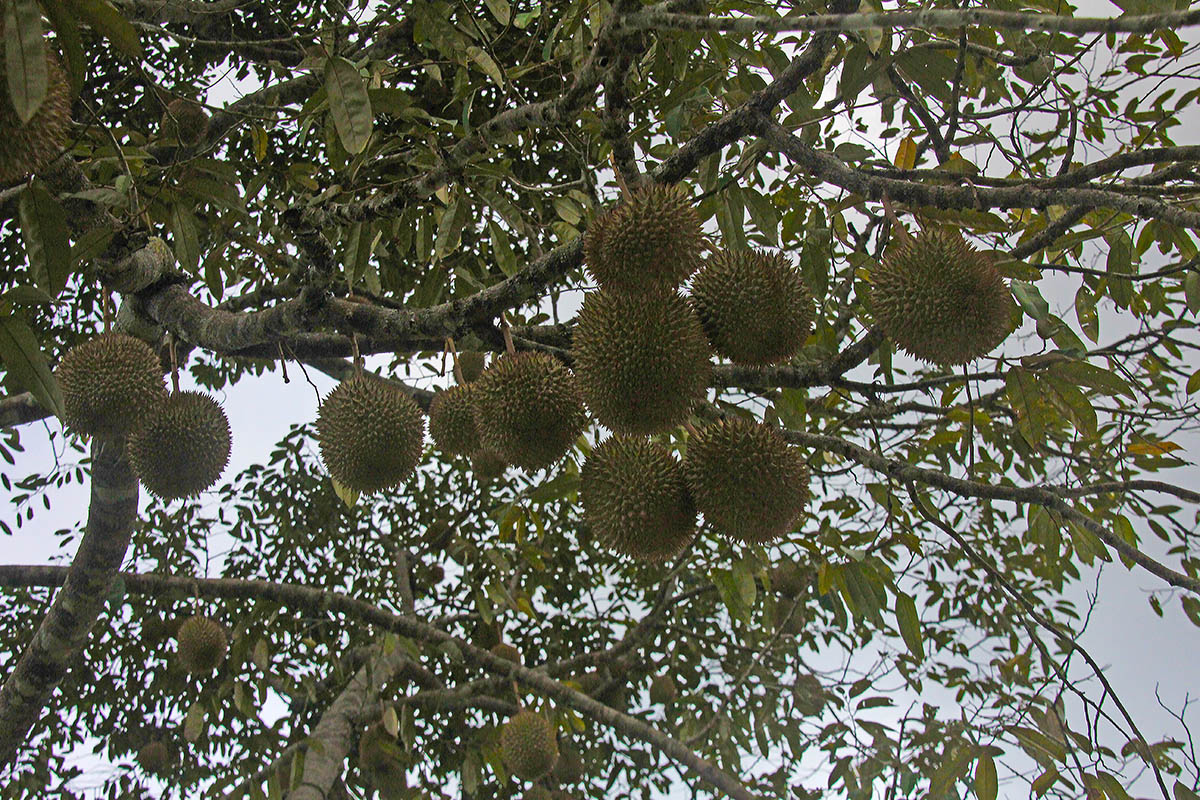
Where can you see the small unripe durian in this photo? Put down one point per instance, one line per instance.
(371, 434)
(746, 479)
(470, 364)
(108, 384)
(636, 500)
(528, 409)
(31, 145)
(753, 305)
(184, 121)
(452, 421)
(487, 466)
(202, 645)
(662, 690)
(182, 447)
(642, 360)
(940, 299)
(528, 745)
(154, 757)
(650, 242)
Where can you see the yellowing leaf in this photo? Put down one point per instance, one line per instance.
(906, 155)
(346, 494)
(1154, 448)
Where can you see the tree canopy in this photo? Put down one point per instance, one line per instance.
(373, 190)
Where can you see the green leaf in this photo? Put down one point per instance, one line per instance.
(44, 229)
(186, 237)
(1182, 792)
(500, 10)
(23, 358)
(1043, 782)
(1031, 300)
(986, 784)
(1085, 313)
(1120, 262)
(1113, 789)
(910, 625)
(193, 725)
(1098, 378)
(66, 29)
(25, 56)
(1193, 384)
(487, 64)
(1191, 291)
(349, 103)
(731, 595)
(108, 22)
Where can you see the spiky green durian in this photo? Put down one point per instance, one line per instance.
(470, 365)
(202, 645)
(452, 421)
(940, 299)
(662, 690)
(184, 121)
(650, 242)
(528, 409)
(753, 305)
(569, 767)
(371, 434)
(746, 479)
(154, 757)
(636, 500)
(30, 146)
(788, 579)
(181, 447)
(108, 384)
(528, 745)
(642, 360)
(487, 466)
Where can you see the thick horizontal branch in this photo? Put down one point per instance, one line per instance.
(324, 600)
(939, 18)
(830, 169)
(85, 586)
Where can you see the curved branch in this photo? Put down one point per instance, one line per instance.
(64, 630)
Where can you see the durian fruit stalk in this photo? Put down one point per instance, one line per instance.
(746, 479)
(528, 409)
(31, 145)
(642, 360)
(108, 384)
(636, 500)
(202, 645)
(371, 434)
(181, 448)
(528, 745)
(940, 299)
(753, 305)
(650, 242)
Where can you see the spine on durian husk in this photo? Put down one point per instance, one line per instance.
(27, 147)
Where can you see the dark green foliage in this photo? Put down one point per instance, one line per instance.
(181, 448)
(651, 241)
(155, 757)
(642, 360)
(528, 409)
(108, 384)
(371, 433)
(663, 690)
(753, 305)
(940, 299)
(636, 500)
(528, 745)
(748, 482)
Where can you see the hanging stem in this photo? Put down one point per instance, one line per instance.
(106, 306)
(458, 376)
(283, 362)
(509, 347)
(174, 363)
(358, 359)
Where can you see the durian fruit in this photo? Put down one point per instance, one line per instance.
(108, 384)
(528, 745)
(452, 421)
(380, 760)
(30, 146)
(371, 434)
(636, 500)
(650, 242)
(753, 305)
(506, 651)
(569, 767)
(202, 645)
(789, 579)
(154, 757)
(662, 690)
(184, 121)
(746, 479)
(487, 466)
(940, 299)
(470, 364)
(642, 360)
(528, 409)
(181, 448)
